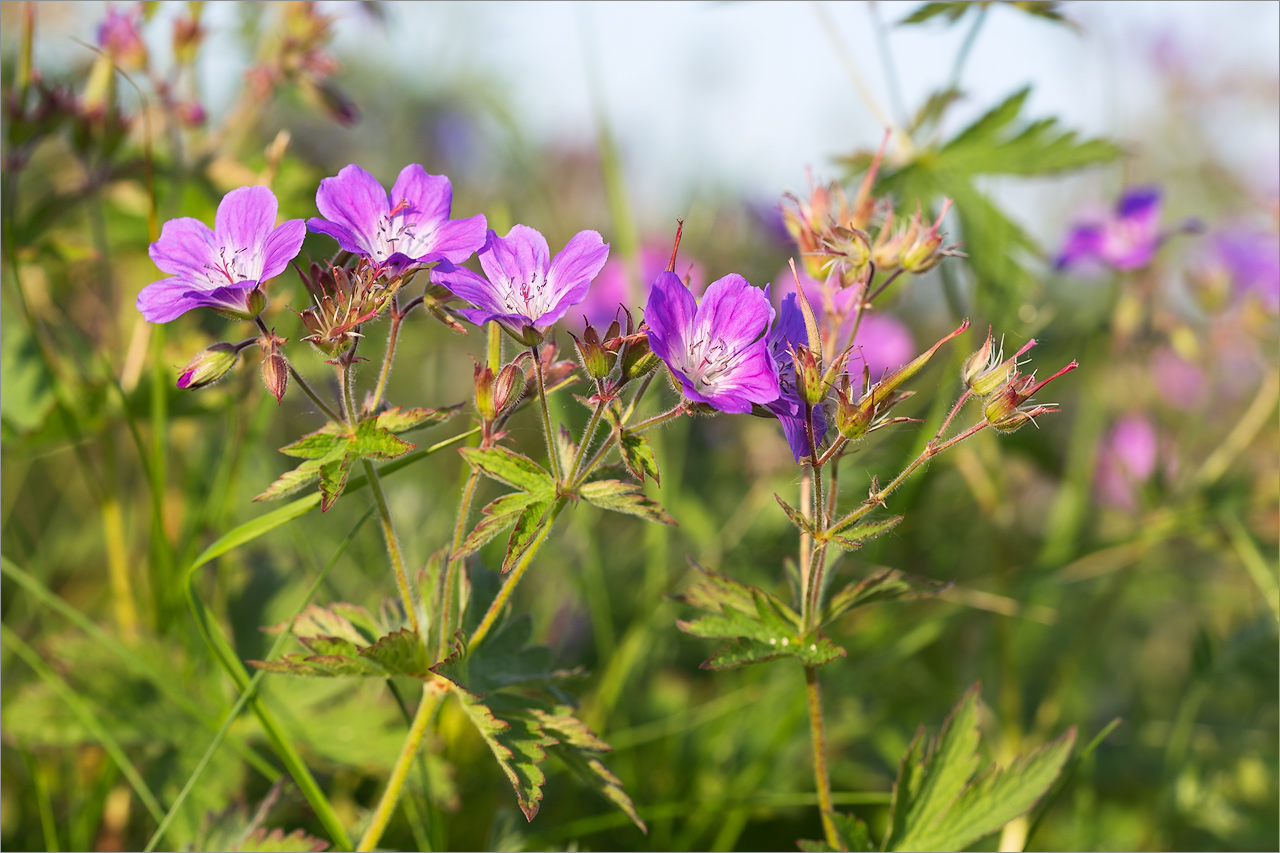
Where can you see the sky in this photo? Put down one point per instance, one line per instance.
(751, 97)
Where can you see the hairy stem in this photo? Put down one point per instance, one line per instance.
(451, 571)
(821, 778)
(393, 544)
(432, 694)
(588, 436)
(393, 335)
(547, 432)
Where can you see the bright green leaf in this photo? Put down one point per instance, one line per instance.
(623, 497)
(507, 466)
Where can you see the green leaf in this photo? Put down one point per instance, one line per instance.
(637, 455)
(797, 518)
(884, 585)
(399, 420)
(952, 11)
(507, 466)
(938, 805)
(528, 523)
(292, 481)
(504, 659)
(519, 745)
(592, 771)
(375, 442)
(853, 832)
(318, 444)
(850, 537)
(495, 517)
(275, 841)
(333, 479)
(623, 497)
(397, 653)
(817, 652)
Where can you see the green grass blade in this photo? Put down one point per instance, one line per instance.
(87, 718)
(249, 691)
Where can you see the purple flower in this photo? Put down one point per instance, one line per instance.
(610, 291)
(119, 38)
(1252, 259)
(1124, 240)
(524, 289)
(787, 334)
(222, 268)
(1126, 460)
(717, 350)
(1181, 384)
(408, 227)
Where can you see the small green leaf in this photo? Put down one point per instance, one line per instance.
(518, 745)
(292, 481)
(528, 523)
(853, 832)
(400, 653)
(275, 841)
(504, 659)
(637, 455)
(817, 652)
(495, 517)
(397, 653)
(333, 479)
(798, 519)
(884, 585)
(623, 497)
(507, 466)
(852, 537)
(374, 442)
(399, 420)
(952, 10)
(318, 444)
(592, 771)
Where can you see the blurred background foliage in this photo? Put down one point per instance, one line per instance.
(1092, 580)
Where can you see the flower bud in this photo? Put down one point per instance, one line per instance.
(853, 418)
(921, 249)
(187, 35)
(209, 365)
(483, 379)
(275, 368)
(979, 362)
(809, 382)
(596, 360)
(638, 360)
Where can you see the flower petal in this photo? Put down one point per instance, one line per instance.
(669, 314)
(467, 285)
(185, 249)
(245, 219)
(1082, 246)
(733, 311)
(355, 200)
(170, 298)
(282, 246)
(521, 257)
(430, 197)
(574, 266)
(753, 379)
(456, 240)
(347, 239)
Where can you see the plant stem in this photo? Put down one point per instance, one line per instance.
(588, 436)
(302, 383)
(546, 419)
(393, 544)
(675, 412)
(509, 586)
(962, 56)
(393, 335)
(451, 570)
(820, 776)
(432, 694)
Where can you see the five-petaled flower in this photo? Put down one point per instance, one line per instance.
(524, 289)
(1125, 240)
(395, 231)
(787, 334)
(717, 350)
(222, 268)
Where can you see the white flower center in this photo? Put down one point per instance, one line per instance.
(707, 361)
(530, 299)
(395, 234)
(234, 266)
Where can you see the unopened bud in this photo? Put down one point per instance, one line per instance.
(596, 360)
(1012, 422)
(809, 382)
(483, 378)
(853, 418)
(979, 362)
(508, 387)
(187, 35)
(209, 365)
(638, 360)
(275, 368)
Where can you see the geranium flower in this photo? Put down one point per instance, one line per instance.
(524, 289)
(224, 268)
(717, 350)
(1124, 240)
(395, 231)
(787, 334)
(1126, 460)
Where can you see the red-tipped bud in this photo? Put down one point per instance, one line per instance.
(275, 368)
(596, 360)
(921, 248)
(853, 418)
(187, 35)
(978, 363)
(809, 381)
(209, 365)
(997, 372)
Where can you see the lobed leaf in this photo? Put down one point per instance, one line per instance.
(507, 466)
(797, 518)
(292, 481)
(275, 841)
(623, 497)
(518, 745)
(528, 523)
(637, 455)
(884, 585)
(399, 420)
(504, 659)
(495, 517)
(372, 441)
(851, 537)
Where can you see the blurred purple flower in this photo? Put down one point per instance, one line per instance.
(1252, 259)
(524, 289)
(119, 38)
(610, 291)
(408, 227)
(222, 268)
(786, 334)
(717, 349)
(1124, 240)
(1126, 460)
(1180, 383)
(768, 216)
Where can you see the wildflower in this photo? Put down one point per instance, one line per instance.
(395, 231)
(717, 349)
(223, 268)
(1126, 459)
(785, 337)
(610, 289)
(1124, 240)
(211, 364)
(1243, 261)
(1005, 409)
(524, 289)
(119, 38)
(1179, 382)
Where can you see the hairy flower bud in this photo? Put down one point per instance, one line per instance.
(921, 249)
(809, 382)
(596, 360)
(853, 418)
(209, 365)
(275, 368)
(979, 362)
